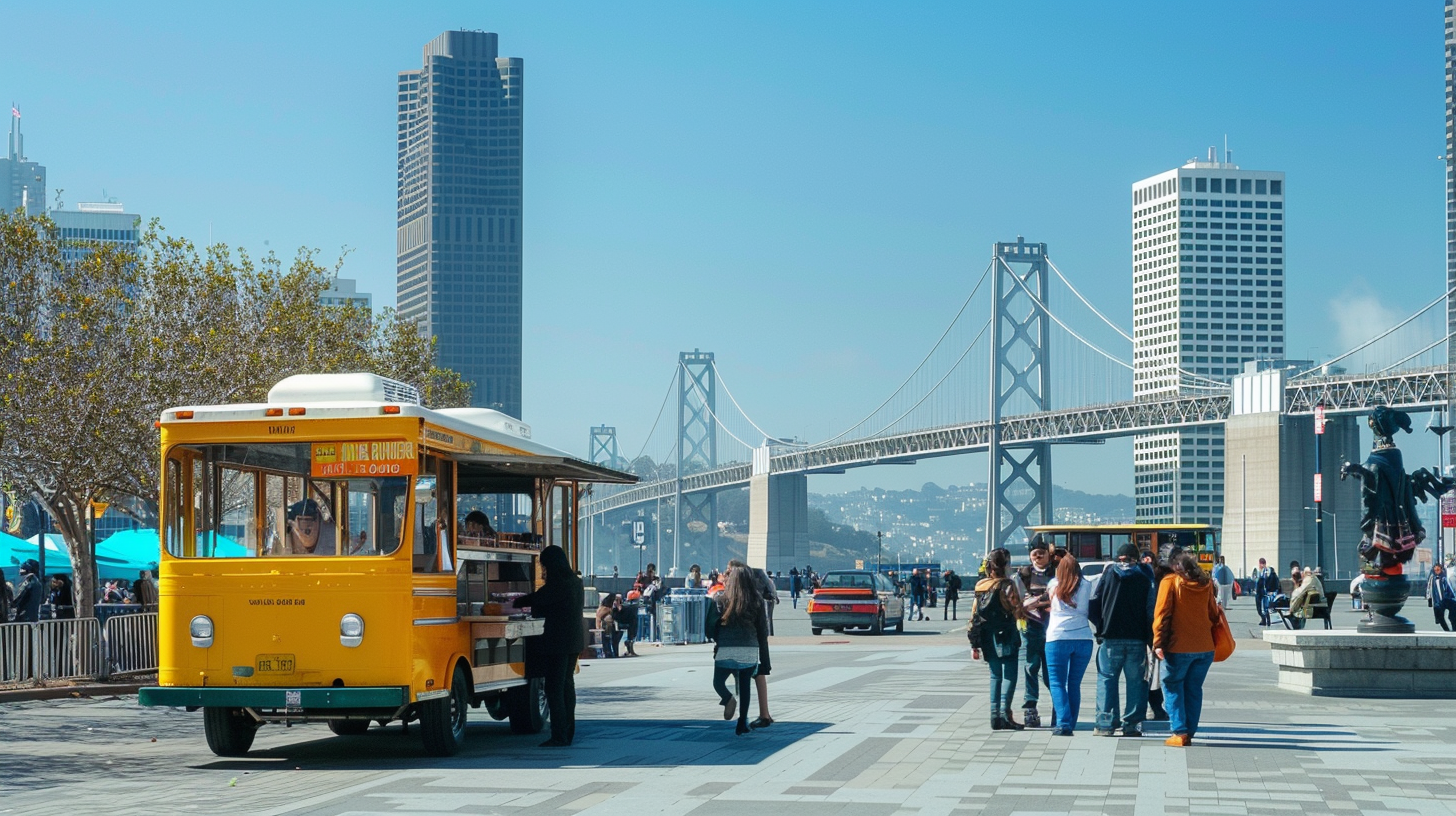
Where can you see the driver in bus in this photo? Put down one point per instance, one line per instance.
(305, 530)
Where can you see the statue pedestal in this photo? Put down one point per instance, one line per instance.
(1342, 663)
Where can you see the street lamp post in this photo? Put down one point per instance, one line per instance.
(1335, 571)
(1439, 427)
(880, 554)
(1319, 485)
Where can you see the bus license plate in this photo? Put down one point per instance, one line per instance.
(275, 663)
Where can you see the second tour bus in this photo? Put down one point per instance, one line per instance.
(342, 554)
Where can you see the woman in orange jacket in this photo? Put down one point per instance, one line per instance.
(1183, 623)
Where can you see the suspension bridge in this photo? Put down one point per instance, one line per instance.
(993, 382)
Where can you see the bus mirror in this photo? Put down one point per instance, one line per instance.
(425, 490)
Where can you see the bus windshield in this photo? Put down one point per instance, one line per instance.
(298, 499)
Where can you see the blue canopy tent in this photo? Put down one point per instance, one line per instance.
(145, 546)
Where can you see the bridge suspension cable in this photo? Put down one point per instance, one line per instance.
(724, 385)
(925, 360)
(1088, 303)
(722, 426)
(1065, 327)
(1407, 359)
(1382, 335)
(947, 374)
(665, 397)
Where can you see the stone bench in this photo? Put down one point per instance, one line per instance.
(1344, 663)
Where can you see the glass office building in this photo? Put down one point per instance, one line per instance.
(459, 227)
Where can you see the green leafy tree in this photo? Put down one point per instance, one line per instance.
(92, 350)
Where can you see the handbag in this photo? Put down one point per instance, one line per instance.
(1223, 639)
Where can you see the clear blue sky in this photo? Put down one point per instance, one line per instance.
(807, 189)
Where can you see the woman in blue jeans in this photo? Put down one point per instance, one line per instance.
(993, 634)
(1183, 623)
(1068, 642)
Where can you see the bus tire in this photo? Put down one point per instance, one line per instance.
(349, 728)
(497, 706)
(442, 720)
(527, 706)
(230, 731)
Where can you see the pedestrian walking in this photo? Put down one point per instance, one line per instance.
(995, 610)
(796, 585)
(739, 629)
(917, 595)
(1223, 578)
(769, 592)
(1068, 642)
(1183, 625)
(1440, 597)
(1031, 586)
(952, 594)
(1308, 601)
(1266, 586)
(552, 655)
(1121, 615)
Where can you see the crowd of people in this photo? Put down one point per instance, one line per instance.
(1151, 624)
(23, 600)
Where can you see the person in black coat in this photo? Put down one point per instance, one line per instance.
(552, 655)
(28, 594)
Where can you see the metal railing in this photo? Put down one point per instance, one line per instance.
(33, 654)
(67, 649)
(129, 643)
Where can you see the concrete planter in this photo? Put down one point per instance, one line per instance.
(1342, 663)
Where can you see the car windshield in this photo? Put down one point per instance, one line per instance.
(847, 580)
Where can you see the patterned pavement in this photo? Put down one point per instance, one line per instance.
(888, 726)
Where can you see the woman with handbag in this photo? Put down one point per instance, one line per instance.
(1184, 623)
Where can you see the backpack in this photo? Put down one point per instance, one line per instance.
(988, 610)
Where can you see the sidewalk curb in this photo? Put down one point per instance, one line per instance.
(67, 692)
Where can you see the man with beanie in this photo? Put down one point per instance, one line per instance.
(1031, 585)
(28, 594)
(1121, 614)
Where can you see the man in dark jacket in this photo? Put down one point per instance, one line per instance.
(952, 594)
(1266, 583)
(553, 654)
(1121, 614)
(28, 594)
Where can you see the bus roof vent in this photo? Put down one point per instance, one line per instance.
(342, 388)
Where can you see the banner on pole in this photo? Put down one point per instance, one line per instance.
(1448, 510)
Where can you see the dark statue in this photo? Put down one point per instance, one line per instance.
(1390, 523)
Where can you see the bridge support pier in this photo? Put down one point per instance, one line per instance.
(778, 521)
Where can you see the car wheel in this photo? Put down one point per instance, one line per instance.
(878, 627)
(816, 631)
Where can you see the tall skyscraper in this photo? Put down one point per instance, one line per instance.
(22, 182)
(1451, 195)
(460, 225)
(344, 291)
(1208, 295)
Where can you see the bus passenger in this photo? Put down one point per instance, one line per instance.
(477, 525)
(305, 530)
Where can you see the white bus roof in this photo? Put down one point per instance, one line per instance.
(342, 396)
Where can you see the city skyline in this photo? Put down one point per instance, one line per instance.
(627, 242)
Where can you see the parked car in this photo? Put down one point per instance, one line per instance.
(856, 599)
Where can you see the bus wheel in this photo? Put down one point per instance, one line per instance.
(497, 706)
(442, 720)
(527, 705)
(230, 731)
(349, 728)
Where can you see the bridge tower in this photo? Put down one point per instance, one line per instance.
(697, 450)
(1020, 479)
(603, 447)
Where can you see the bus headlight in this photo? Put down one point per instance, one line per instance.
(201, 630)
(351, 630)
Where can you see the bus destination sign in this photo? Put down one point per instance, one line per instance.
(380, 457)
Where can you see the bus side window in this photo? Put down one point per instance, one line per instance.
(426, 514)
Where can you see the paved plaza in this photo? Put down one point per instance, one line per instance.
(866, 726)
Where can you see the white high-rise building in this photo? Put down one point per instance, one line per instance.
(1208, 295)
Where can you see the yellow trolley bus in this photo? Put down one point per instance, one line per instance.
(343, 554)
(1095, 545)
